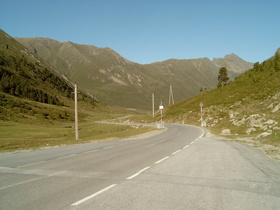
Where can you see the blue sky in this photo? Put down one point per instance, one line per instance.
(146, 31)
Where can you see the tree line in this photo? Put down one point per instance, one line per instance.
(23, 78)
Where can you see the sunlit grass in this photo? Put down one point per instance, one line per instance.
(19, 136)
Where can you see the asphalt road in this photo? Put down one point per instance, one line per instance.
(176, 169)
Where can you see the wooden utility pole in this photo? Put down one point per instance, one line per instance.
(76, 113)
(153, 104)
(171, 99)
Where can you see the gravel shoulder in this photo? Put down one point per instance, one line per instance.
(271, 151)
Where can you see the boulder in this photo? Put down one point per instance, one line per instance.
(265, 134)
(271, 122)
(270, 106)
(276, 128)
(240, 122)
(276, 108)
(249, 130)
(255, 121)
(226, 132)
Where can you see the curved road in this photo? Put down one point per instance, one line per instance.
(176, 169)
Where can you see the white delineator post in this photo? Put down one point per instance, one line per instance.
(161, 108)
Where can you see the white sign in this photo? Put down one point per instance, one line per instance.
(160, 107)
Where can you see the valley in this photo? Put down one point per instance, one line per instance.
(37, 83)
(139, 105)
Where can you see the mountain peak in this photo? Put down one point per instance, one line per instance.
(231, 55)
(233, 63)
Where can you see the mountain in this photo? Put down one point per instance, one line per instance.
(185, 76)
(30, 87)
(247, 109)
(234, 64)
(119, 82)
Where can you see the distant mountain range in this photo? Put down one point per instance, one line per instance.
(119, 82)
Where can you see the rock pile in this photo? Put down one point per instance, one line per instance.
(263, 122)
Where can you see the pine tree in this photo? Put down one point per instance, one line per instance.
(222, 77)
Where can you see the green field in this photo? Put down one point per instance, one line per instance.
(20, 136)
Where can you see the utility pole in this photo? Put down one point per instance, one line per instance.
(153, 104)
(171, 99)
(201, 113)
(76, 113)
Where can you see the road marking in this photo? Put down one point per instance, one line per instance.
(89, 151)
(97, 150)
(30, 180)
(66, 156)
(29, 164)
(192, 142)
(161, 159)
(139, 172)
(108, 147)
(93, 195)
(186, 146)
(150, 145)
(176, 152)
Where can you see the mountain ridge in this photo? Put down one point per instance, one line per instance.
(120, 82)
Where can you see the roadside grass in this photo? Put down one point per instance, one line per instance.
(45, 125)
(20, 136)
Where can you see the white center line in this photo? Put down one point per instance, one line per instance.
(176, 152)
(93, 195)
(186, 146)
(139, 172)
(161, 160)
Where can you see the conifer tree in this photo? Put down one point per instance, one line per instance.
(222, 77)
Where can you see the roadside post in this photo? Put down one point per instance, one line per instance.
(201, 113)
(161, 108)
(76, 112)
(153, 104)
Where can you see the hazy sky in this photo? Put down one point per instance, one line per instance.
(146, 31)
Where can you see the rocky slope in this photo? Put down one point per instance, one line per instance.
(247, 109)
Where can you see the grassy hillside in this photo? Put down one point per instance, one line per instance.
(37, 106)
(25, 77)
(248, 106)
